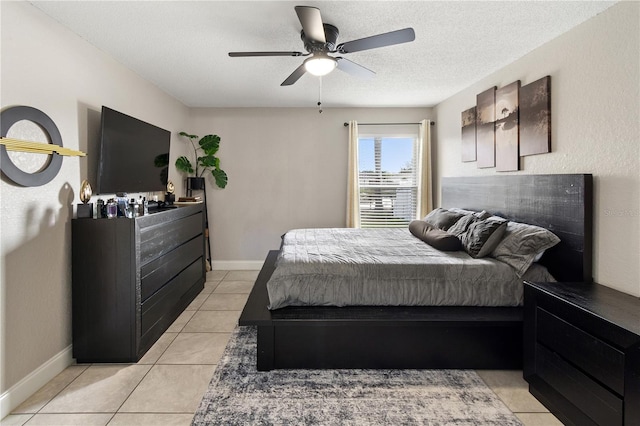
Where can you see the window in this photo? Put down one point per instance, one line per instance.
(389, 174)
(388, 179)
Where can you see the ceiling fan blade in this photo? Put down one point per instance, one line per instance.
(380, 40)
(311, 22)
(251, 54)
(295, 76)
(354, 69)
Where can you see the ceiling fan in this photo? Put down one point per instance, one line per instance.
(320, 39)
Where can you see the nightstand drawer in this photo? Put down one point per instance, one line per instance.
(604, 407)
(598, 359)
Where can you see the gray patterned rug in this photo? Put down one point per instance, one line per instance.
(240, 395)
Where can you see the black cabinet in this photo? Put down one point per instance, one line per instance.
(131, 280)
(582, 352)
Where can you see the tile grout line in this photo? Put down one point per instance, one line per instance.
(133, 390)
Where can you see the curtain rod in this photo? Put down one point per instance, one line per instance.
(385, 124)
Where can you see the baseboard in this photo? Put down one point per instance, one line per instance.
(237, 265)
(30, 384)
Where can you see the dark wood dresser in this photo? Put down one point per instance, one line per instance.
(131, 280)
(582, 352)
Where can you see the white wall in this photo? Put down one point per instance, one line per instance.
(51, 69)
(287, 169)
(595, 91)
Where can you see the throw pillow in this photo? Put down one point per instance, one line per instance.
(442, 218)
(522, 243)
(436, 238)
(461, 226)
(482, 236)
(480, 215)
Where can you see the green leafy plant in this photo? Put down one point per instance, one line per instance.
(208, 146)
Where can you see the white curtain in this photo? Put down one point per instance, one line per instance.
(353, 188)
(425, 189)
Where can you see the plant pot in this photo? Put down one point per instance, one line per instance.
(195, 183)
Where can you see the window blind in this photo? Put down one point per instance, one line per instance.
(388, 180)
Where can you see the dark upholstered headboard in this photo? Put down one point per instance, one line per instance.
(561, 203)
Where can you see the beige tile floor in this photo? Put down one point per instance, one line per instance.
(166, 385)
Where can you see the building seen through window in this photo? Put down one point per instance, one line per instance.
(388, 180)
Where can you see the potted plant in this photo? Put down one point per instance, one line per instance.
(208, 146)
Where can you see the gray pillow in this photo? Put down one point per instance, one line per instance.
(480, 215)
(521, 244)
(442, 218)
(482, 236)
(493, 241)
(436, 238)
(461, 226)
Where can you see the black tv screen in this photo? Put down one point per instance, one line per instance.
(134, 155)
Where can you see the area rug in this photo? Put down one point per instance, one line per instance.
(238, 394)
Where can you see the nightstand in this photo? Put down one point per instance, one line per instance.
(582, 352)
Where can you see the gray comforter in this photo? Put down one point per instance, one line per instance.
(387, 267)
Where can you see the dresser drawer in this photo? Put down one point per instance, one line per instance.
(599, 404)
(158, 240)
(598, 359)
(158, 272)
(156, 306)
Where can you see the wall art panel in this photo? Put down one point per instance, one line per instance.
(468, 146)
(485, 128)
(535, 117)
(507, 153)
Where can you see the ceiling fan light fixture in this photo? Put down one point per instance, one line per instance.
(320, 64)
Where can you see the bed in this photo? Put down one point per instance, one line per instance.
(392, 267)
(479, 337)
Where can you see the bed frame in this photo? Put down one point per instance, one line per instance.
(437, 336)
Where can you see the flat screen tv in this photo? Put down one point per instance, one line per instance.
(134, 155)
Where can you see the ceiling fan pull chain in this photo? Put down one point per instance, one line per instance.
(319, 95)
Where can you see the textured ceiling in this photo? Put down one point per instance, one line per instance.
(182, 46)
